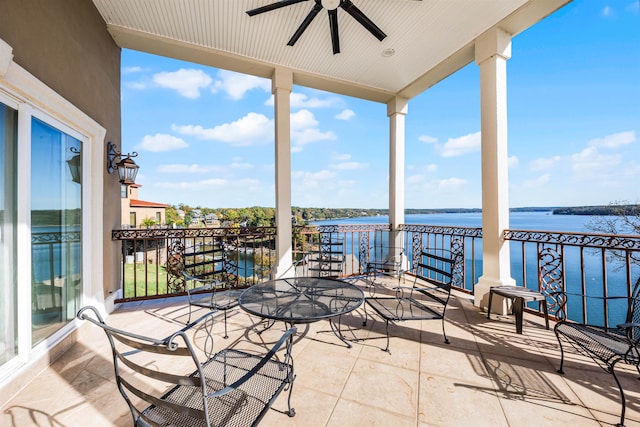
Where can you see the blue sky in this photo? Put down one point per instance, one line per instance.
(205, 136)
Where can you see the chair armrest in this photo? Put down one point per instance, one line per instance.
(628, 325)
(267, 357)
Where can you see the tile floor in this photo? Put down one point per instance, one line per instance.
(487, 376)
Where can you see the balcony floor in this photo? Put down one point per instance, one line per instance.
(487, 376)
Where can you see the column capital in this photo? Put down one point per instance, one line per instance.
(282, 79)
(398, 105)
(494, 42)
(6, 57)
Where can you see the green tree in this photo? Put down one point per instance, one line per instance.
(171, 215)
(148, 222)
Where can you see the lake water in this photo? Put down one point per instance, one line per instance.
(517, 220)
(537, 221)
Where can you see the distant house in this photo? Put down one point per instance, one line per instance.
(134, 211)
(211, 220)
(196, 218)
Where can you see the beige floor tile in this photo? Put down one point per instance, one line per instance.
(446, 403)
(322, 368)
(458, 365)
(312, 407)
(381, 385)
(487, 376)
(350, 413)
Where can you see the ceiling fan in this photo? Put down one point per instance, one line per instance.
(332, 9)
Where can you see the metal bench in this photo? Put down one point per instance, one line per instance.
(426, 299)
(230, 388)
(607, 347)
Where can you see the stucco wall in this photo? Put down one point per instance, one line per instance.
(65, 44)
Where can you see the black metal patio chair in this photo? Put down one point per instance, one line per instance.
(211, 294)
(606, 347)
(426, 299)
(165, 384)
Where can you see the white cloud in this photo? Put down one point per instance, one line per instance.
(213, 183)
(614, 140)
(340, 157)
(451, 183)
(300, 100)
(455, 147)
(589, 163)
(135, 85)
(415, 179)
(303, 119)
(513, 162)
(304, 130)
(349, 166)
(180, 168)
(633, 7)
(542, 163)
(428, 139)
(252, 129)
(161, 142)
(346, 115)
(537, 182)
(257, 129)
(236, 85)
(607, 11)
(187, 82)
(430, 168)
(130, 70)
(313, 180)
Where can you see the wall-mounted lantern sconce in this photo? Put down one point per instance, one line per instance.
(127, 168)
(75, 166)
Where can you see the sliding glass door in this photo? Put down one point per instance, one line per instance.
(8, 288)
(56, 229)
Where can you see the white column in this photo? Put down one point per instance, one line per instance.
(492, 49)
(282, 84)
(396, 111)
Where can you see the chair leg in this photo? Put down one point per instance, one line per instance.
(225, 325)
(387, 330)
(560, 370)
(621, 423)
(189, 319)
(446, 340)
(364, 322)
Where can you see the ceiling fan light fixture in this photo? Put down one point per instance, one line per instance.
(388, 52)
(330, 4)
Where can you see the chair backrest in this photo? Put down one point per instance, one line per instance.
(145, 368)
(389, 258)
(325, 258)
(438, 269)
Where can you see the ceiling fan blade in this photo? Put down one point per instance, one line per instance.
(272, 6)
(294, 38)
(333, 26)
(357, 14)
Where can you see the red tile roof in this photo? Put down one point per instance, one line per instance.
(142, 204)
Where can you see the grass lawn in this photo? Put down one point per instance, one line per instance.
(134, 278)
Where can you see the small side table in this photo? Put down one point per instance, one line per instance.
(519, 296)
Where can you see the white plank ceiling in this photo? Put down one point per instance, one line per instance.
(430, 39)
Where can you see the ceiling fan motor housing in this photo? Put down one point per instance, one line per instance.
(330, 4)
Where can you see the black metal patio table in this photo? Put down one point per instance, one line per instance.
(303, 300)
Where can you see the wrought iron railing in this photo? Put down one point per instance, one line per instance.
(596, 270)
(153, 259)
